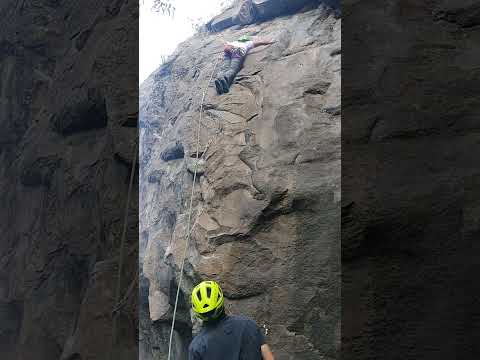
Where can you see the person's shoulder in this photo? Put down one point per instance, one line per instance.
(242, 319)
(237, 317)
(247, 324)
(196, 342)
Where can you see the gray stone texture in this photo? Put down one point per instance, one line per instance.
(266, 209)
(68, 86)
(244, 12)
(410, 180)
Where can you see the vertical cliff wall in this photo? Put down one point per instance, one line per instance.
(410, 181)
(267, 206)
(68, 113)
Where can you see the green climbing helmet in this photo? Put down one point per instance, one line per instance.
(245, 38)
(207, 300)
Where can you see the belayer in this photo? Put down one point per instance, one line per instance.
(234, 54)
(224, 337)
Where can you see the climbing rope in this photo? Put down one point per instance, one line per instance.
(187, 240)
(121, 255)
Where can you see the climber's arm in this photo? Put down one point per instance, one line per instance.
(266, 352)
(261, 42)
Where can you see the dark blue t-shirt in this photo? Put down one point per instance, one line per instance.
(232, 338)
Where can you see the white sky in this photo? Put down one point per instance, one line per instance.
(160, 34)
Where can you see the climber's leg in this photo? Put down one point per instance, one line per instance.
(235, 67)
(224, 85)
(219, 87)
(225, 65)
(220, 84)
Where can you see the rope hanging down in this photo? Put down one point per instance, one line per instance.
(121, 255)
(187, 241)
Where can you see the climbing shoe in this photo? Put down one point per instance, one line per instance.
(219, 87)
(224, 84)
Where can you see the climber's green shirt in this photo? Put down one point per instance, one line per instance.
(231, 338)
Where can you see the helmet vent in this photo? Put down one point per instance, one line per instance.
(204, 306)
(209, 292)
(199, 296)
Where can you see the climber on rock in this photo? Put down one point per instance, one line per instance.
(224, 337)
(234, 54)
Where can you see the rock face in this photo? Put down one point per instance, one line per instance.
(244, 12)
(266, 209)
(68, 113)
(410, 181)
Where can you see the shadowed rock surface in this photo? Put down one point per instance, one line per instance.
(173, 152)
(410, 180)
(68, 94)
(267, 205)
